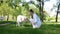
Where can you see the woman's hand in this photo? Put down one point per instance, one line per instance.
(34, 23)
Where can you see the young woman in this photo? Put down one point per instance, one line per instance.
(34, 19)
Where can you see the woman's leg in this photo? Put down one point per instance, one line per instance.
(34, 25)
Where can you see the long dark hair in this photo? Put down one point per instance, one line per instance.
(32, 12)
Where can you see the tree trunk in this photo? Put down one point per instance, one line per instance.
(16, 18)
(57, 17)
(7, 17)
(57, 12)
(12, 17)
(41, 10)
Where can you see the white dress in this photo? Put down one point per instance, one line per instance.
(36, 22)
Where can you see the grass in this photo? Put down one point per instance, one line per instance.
(27, 29)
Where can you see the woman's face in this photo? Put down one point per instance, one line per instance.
(31, 13)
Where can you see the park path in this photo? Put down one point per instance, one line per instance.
(4, 24)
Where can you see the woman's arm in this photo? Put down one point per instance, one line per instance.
(35, 18)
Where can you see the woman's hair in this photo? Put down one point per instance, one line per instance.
(31, 11)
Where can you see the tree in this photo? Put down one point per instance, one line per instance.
(41, 6)
(58, 12)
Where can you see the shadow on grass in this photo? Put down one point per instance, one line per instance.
(11, 22)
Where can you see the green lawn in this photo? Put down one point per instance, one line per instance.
(27, 29)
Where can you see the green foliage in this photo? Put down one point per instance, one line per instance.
(5, 9)
(12, 7)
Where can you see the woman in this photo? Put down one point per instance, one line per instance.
(34, 19)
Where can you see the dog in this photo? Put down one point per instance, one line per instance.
(20, 20)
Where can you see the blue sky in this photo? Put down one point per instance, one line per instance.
(48, 6)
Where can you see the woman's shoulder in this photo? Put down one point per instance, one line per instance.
(35, 14)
